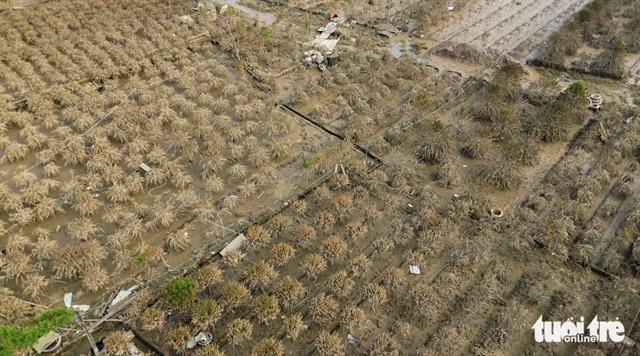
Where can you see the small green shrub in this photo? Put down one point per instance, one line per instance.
(143, 256)
(13, 337)
(179, 292)
(437, 126)
(577, 88)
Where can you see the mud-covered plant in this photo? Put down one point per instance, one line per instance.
(208, 276)
(82, 229)
(304, 236)
(280, 222)
(325, 220)
(266, 307)
(360, 265)
(205, 312)
(289, 292)
(375, 294)
(353, 317)
(257, 238)
(179, 241)
(323, 309)
(232, 258)
(259, 274)
(395, 279)
(179, 337)
(313, 264)
(180, 292)
(233, 294)
(209, 350)
(434, 148)
(329, 344)
(341, 285)
(294, 325)
(152, 319)
(357, 228)
(384, 345)
(239, 330)
(117, 342)
(281, 253)
(334, 248)
(299, 206)
(268, 346)
(502, 174)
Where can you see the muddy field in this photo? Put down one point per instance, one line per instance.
(135, 146)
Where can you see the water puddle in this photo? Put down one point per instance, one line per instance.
(398, 48)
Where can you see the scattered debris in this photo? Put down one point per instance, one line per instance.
(188, 20)
(122, 295)
(628, 342)
(628, 120)
(50, 342)
(414, 269)
(603, 133)
(144, 167)
(595, 100)
(68, 300)
(334, 17)
(352, 339)
(327, 30)
(497, 213)
(450, 8)
(387, 30)
(209, 5)
(201, 339)
(233, 245)
(456, 195)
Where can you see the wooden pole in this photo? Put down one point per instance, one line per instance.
(87, 334)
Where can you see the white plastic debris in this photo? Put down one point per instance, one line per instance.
(464, 166)
(67, 299)
(456, 195)
(186, 19)
(82, 307)
(411, 206)
(450, 8)
(353, 338)
(414, 269)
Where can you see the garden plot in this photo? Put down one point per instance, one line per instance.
(502, 191)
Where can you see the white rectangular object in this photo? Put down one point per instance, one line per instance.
(233, 245)
(414, 269)
(67, 299)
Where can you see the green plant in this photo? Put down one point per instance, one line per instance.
(315, 159)
(14, 338)
(577, 88)
(142, 257)
(437, 126)
(266, 33)
(559, 107)
(179, 292)
(585, 15)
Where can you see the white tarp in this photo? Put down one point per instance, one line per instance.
(325, 46)
(233, 245)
